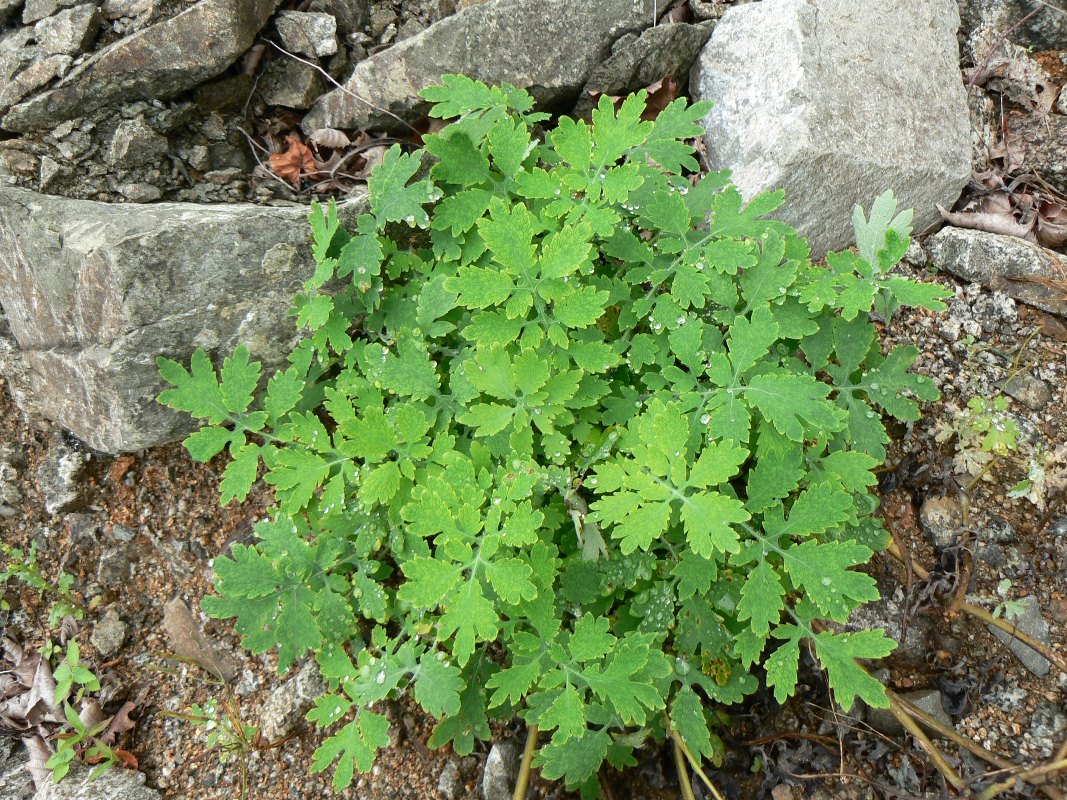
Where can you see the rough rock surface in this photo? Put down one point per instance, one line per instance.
(666, 50)
(1033, 623)
(287, 704)
(547, 46)
(114, 784)
(309, 34)
(69, 31)
(501, 771)
(1045, 30)
(835, 102)
(15, 783)
(1024, 270)
(1046, 145)
(109, 633)
(157, 62)
(61, 477)
(93, 292)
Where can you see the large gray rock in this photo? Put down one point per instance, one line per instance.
(549, 47)
(660, 52)
(1016, 267)
(93, 292)
(157, 62)
(835, 102)
(15, 783)
(114, 784)
(1046, 30)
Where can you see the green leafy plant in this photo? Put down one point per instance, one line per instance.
(81, 742)
(23, 567)
(576, 434)
(984, 433)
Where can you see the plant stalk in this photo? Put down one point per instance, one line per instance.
(679, 743)
(524, 768)
(962, 741)
(980, 613)
(992, 791)
(912, 727)
(682, 768)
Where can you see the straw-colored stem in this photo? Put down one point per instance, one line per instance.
(524, 768)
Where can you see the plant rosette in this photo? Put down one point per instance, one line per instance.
(575, 434)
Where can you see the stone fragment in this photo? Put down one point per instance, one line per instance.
(113, 784)
(33, 78)
(928, 700)
(113, 566)
(351, 15)
(291, 84)
(1032, 392)
(117, 9)
(549, 47)
(1021, 269)
(666, 50)
(1046, 729)
(501, 771)
(68, 32)
(39, 9)
(450, 783)
(1030, 622)
(890, 613)
(140, 192)
(48, 170)
(61, 476)
(287, 705)
(109, 633)
(836, 125)
(157, 62)
(941, 518)
(134, 144)
(307, 33)
(11, 464)
(93, 292)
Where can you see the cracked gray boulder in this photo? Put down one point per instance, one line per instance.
(836, 101)
(93, 292)
(549, 47)
(157, 62)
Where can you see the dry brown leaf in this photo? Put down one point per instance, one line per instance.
(120, 723)
(189, 642)
(372, 157)
(330, 137)
(39, 754)
(990, 222)
(119, 467)
(660, 95)
(294, 163)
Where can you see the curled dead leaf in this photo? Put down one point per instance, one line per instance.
(330, 137)
(991, 222)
